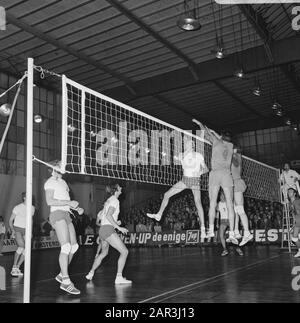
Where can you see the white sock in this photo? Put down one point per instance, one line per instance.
(203, 228)
(66, 280)
(231, 233)
(119, 275)
(211, 227)
(237, 232)
(247, 233)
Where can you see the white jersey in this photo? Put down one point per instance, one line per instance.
(111, 202)
(20, 213)
(2, 228)
(192, 164)
(222, 207)
(288, 178)
(61, 192)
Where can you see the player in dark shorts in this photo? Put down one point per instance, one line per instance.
(194, 167)
(295, 205)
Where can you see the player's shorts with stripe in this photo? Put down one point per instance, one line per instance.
(106, 231)
(59, 215)
(20, 230)
(239, 186)
(224, 222)
(220, 178)
(191, 182)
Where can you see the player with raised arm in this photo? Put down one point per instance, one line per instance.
(17, 227)
(109, 223)
(239, 190)
(58, 198)
(220, 177)
(194, 167)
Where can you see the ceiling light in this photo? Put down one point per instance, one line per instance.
(5, 109)
(189, 20)
(38, 118)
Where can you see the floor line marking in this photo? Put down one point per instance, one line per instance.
(196, 285)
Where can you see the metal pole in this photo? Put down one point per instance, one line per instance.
(29, 172)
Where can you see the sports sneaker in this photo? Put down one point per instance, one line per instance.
(237, 235)
(16, 272)
(203, 234)
(70, 288)
(232, 239)
(210, 234)
(59, 278)
(156, 217)
(239, 252)
(297, 255)
(224, 253)
(89, 276)
(122, 281)
(246, 239)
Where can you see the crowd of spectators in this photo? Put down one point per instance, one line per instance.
(181, 214)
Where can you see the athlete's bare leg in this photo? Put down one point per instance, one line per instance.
(176, 189)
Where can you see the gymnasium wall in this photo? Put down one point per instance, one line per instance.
(271, 146)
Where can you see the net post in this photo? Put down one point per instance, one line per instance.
(29, 174)
(83, 117)
(64, 145)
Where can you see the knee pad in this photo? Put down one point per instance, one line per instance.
(66, 249)
(74, 248)
(20, 251)
(239, 209)
(295, 239)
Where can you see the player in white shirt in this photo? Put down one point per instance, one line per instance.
(58, 198)
(17, 224)
(289, 179)
(194, 167)
(109, 222)
(224, 224)
(2, 234)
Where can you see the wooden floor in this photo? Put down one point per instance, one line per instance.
(167, 275)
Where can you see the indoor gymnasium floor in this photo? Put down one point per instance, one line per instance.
(165, 275)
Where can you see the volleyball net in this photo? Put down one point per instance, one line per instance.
(104, 137)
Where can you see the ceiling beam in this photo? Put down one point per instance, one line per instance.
(259, 24)
(285, 51)
(259, 123)
(191, 65)
(237, 99)
(179, 108)
(60, 45)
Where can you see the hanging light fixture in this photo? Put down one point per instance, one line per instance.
(257, 90)
(276, 106)
(5, 110)
(240, 73)
(288, 121)
(189, 21)
(280, 112)
(295, 127)
(38, 118)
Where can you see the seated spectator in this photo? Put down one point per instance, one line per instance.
(2, 234)
(46, 228)
(157, 227)
(140, 227)
(89, 231)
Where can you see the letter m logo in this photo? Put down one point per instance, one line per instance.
(2, 279)
(2, 19)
